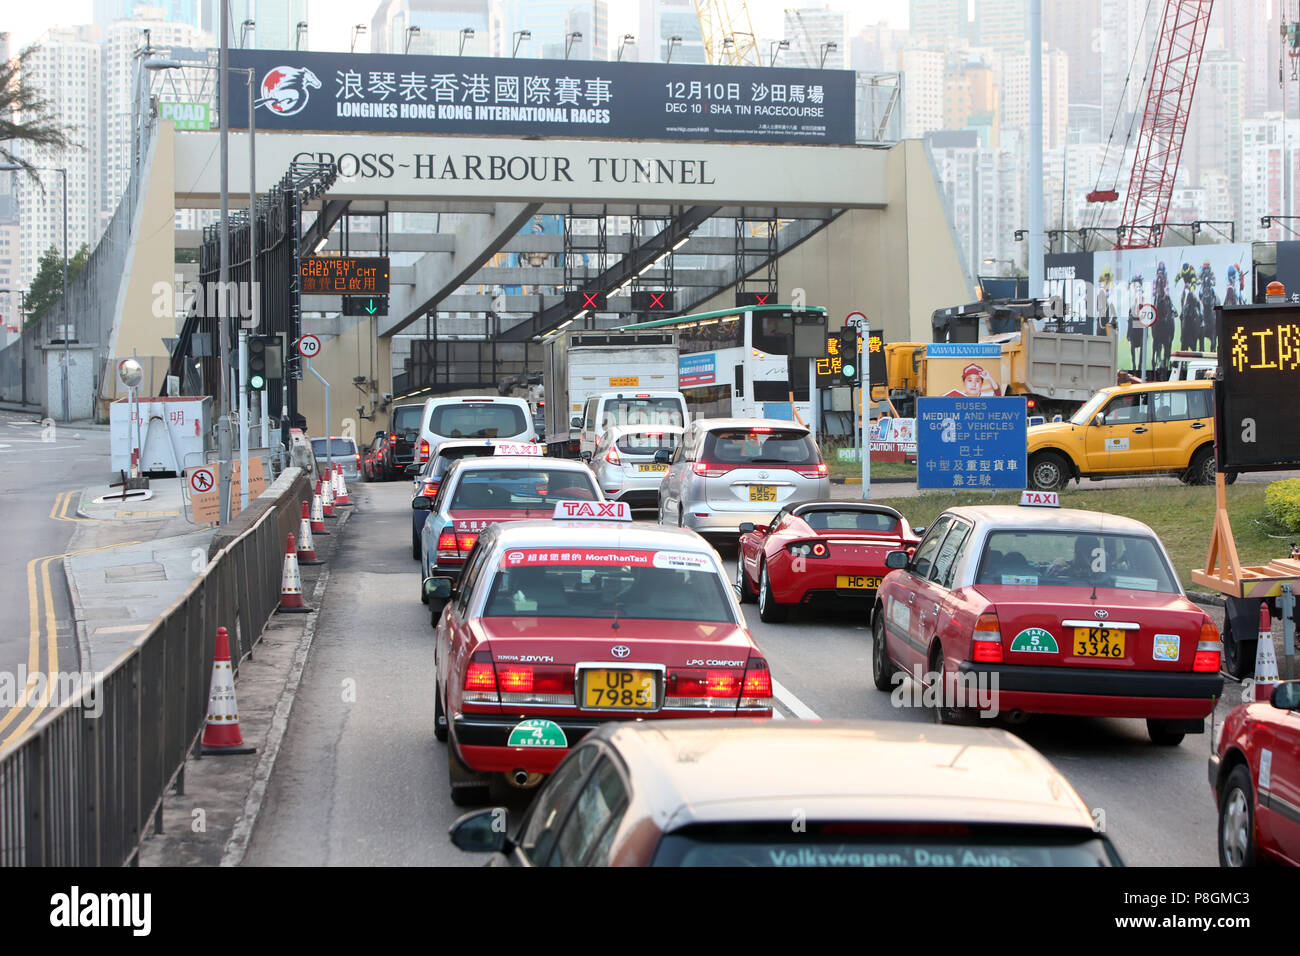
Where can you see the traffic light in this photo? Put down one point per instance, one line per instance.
(263, 360)
(850, 372)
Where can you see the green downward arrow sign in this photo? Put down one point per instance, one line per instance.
(370, 307)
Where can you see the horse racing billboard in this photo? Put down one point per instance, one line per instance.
(1183, 283)
(393, 93)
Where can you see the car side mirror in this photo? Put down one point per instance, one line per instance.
(439, 588)
(412, 470)
(1286, 696)
(919, 532)
(480, 831)
(421, 503)
(663, 456)
(896, 560)
(1100, 419)
(585, 456)
(575, 423)
(747, 527)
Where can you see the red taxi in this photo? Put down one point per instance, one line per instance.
(558, 626)
(1022, 610)
(1255, 779)
(821, 551)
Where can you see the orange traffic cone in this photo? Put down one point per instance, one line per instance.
(317, 512)
(1266, 675)
(341, 487)
(306, 546)
(221, 735)
(291, 601)
(327, 494)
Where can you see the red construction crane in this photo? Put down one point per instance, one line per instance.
(1164, 123)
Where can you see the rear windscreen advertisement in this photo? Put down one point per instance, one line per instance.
(393, 93)
(1181, 285)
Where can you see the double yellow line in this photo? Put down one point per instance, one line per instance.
(40, 609)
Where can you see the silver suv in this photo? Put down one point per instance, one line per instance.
(730, 470)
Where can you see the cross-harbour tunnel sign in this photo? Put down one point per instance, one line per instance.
(393, 93)
(480, 168)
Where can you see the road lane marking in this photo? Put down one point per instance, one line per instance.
(793, 703)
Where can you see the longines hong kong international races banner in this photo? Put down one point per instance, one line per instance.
(391, 93)
(1182, 284)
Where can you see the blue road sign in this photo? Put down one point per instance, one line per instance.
(970, 443)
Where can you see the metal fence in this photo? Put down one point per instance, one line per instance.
(83, 790)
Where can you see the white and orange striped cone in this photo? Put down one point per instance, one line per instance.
(317, 512)
(221, 735)
(291, 601)
(306, 546)
(327, 495)
(1266, 674)
(340, 487)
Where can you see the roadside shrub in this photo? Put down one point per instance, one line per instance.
(1282, 499)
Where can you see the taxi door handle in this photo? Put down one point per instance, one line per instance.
(935, 612)
(1139, 430)
(911, 596)
(1199, 425)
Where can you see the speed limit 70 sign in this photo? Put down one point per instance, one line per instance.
(309, 346)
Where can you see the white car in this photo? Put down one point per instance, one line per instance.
(472, 416)
(609, 409)
(624, 462)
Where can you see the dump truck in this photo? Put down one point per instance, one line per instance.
(1014, 345)
(582, 363)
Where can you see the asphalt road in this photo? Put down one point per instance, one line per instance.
(41, 470)
(361, 781)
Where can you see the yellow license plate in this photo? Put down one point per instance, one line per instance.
(856, 581)
(1098, 642)
(619, 688)
(762, 492)
(651, 467)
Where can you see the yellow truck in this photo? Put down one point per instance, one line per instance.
(1055, 371)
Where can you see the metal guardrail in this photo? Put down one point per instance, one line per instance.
(82, 790)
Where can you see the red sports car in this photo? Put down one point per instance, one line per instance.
(819, 551)
(1255, 778)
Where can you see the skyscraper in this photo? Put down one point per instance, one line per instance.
(936, 22)
(440, 22)
(274, 22)
(663, 19)
(810, 31)
(67, 69)
(1002, 25)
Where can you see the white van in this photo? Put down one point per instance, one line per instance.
(1190, 366)
(607, 409)
(473, 416)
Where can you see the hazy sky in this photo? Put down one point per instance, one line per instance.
(331, 20)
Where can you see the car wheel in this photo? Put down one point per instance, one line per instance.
(768, 610)
(1163, 735)
(439, 718)
(1201, 470)
(942, 713)
(1238, 659)
(1237, 820)
(883, 670)
(742, 586)
(1048, 472)
(467, 787)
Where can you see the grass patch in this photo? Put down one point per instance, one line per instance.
(879, 469)
(1181, 516)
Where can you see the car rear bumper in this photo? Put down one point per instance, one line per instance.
(707, 520)
(637, 497)
(482, 740)
(1097, 693)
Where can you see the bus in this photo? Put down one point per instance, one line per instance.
(736, 363)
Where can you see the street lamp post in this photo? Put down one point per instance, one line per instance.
(569, 40)
(410, 32)
(826, 49)
(627, 38)
(466, 33)
(775, 49)
(519, 37)
(673, 43)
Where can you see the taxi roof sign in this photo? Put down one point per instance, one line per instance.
(592, 511)
(1040, 499)
(531, 449)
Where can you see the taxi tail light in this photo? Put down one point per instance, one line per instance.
(525, 683)
(756, 691)
(810, 471)
(429, 490)
(424, 449)
(612, 456)
(705, 688)
(1209, 649)
(481, 680)
(465, 542)
(709, 469)
(986, 641)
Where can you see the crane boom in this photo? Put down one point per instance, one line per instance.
(1164, 121)
(728, 32)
